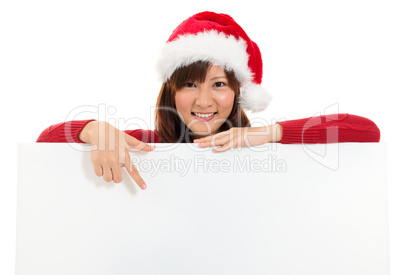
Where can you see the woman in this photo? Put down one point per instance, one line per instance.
(211, 72)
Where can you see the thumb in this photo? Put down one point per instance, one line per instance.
(134, 143)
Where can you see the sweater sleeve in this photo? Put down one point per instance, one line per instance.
(330, 129)
(68, 132)
(63, 132)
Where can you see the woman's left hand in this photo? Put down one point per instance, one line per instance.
(242, 136)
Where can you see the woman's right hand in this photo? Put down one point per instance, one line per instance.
(110, 151)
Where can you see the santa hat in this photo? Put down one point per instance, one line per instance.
(218, 39)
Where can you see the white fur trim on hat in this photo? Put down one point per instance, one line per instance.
(217, 48)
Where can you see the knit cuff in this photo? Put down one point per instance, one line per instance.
(301, 130)
(73, 128)
(63, 132)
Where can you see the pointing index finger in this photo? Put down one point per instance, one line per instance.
(133, 172)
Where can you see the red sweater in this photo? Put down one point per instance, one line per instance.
(320, 129)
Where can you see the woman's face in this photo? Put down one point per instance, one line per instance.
(204, 107)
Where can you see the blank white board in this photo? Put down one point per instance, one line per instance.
(273, 209)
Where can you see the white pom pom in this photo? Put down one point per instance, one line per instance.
(254, 98)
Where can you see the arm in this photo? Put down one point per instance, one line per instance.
(329, 129)
(320, 129)
(64, 132)
(70, 132)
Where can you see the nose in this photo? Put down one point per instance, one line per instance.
(204, 97)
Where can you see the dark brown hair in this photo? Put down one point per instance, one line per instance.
(169, 127)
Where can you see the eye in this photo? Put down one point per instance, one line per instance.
(219, 84)
(189, 85)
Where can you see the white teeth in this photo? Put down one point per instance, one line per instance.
(204, 115)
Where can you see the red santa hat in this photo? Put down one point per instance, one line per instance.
(218, 39)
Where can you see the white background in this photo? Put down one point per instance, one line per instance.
(319, 56)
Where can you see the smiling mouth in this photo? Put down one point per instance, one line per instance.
(204, 116)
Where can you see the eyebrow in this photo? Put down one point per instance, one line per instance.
(218, 77)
